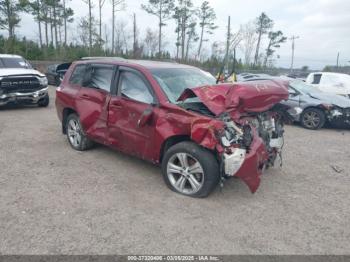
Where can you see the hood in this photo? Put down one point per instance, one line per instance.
(19, 71)
(253, 96)
(327, 98)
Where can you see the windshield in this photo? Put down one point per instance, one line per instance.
(174, 81)
(14, 62)
(303, 87)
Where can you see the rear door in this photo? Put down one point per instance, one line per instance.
(92, 100)
(133, 97)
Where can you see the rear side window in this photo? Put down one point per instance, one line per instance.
(77, 76)
(99, 77)
(317, 79)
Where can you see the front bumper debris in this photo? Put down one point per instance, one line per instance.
(253, 164)
(31, 97)
(234, 161)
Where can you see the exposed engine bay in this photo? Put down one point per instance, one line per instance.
(237, 138)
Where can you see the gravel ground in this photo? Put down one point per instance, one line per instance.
(55, 200)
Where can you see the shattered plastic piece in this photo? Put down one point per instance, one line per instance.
(337, 168)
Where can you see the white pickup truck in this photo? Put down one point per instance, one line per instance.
(20, 83)
(334, 83)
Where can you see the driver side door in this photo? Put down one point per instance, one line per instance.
(133, 100)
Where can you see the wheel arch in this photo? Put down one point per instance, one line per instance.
(66, 112)
(319, 107)
(171, 141)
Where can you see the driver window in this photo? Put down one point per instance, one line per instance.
(132, 86)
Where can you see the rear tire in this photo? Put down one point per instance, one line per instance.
(190, 170)
(313, 118)
(75, 134)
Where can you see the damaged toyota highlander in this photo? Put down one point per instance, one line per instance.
(176, 116)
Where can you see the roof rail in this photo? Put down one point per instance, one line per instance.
(103, 57)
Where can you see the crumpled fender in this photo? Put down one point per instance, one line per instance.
(203, 132)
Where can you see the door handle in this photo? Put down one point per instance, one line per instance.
(116, 104)
(86, 96)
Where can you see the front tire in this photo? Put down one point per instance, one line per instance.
(190, 170)
(75, 134)
(45, 101)
(313, 118)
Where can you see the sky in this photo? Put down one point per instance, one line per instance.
(323, 26)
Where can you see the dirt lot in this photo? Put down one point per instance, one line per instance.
(55, 200)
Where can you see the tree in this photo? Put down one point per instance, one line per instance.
(89, 3)
(177, 18)
(100, 5)
(183, 12)
(45, 19)
(207, 16)
(263, 24)
(305, 68)
(9, 16)
(191, 37)
(136, 50)
(117, 5)
(34, 7)
(248, 42)
(275, 41)
(68, 14)
(55, 11)
(162, 10)
(84, 30)
(151, 42)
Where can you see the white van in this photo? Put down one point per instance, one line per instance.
(334, 83)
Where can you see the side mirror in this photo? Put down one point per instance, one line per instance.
(145, 117)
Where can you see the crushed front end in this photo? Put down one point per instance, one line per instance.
(246, 133)
(249, 147)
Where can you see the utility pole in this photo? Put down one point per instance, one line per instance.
(134, 36)
(293, 47)
(228, 41)
(338, 60)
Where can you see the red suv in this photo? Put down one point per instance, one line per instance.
(174, 115)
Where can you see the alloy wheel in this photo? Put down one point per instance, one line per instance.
(311, 119)
(185, 173)
(74, 134)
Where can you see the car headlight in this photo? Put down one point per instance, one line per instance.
(43, 81)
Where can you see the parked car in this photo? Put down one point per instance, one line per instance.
(56, 72)
(20, 83)
(313, 108)
(174, 115)
(332, 83)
